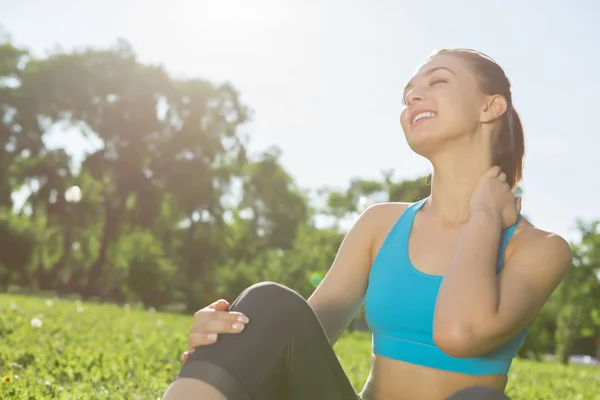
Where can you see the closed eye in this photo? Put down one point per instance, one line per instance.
(436, 81)
(433, 81)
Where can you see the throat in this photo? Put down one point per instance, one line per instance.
(445, 212)
(456, 174)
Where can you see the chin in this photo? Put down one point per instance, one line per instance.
(423, 143)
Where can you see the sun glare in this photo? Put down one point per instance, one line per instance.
(224, 28)
(230, 16)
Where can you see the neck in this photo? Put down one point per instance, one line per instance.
(455, 178)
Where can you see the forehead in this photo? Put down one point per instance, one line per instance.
(453, 63)
(443, 60)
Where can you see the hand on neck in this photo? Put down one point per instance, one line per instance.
(455, 177)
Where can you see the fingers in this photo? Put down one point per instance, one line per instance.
(494, 171)
(217, 326)
(211, 321)
(497, 173)
(502, 178)
(196, 340)
(212, 315)
(204, 333)
(208, 324)
(184, 357)
(219, 305)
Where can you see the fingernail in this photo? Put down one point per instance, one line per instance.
(212, 337)
(237, 326)
(243, 318)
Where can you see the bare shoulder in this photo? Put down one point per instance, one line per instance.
(381, 210)
(382, 215)
(382, 218)
(535, 246)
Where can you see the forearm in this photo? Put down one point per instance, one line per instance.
(468, 297)
(334, 320)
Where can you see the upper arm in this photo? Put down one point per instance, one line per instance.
(339, 296)
(531, 274)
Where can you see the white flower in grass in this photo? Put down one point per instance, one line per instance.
(49, 303)
(36, 322)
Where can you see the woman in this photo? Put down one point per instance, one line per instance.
(450, 283)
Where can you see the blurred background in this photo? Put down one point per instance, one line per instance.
(171, 153)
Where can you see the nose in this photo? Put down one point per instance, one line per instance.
(414, 95)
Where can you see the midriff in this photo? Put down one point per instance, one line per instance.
(396, 380)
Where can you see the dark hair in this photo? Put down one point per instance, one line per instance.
(510, 147)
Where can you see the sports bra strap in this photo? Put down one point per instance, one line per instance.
(412, 210)
(506, 235)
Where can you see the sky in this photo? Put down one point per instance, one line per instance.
(325, 78)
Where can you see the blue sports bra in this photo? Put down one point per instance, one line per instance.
(400, 302)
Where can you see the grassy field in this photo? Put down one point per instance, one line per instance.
(70, 350)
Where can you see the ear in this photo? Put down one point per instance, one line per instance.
(494, 107)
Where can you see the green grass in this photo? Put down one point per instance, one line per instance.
(96, 351)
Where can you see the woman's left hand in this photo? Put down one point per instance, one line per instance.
(494, 196)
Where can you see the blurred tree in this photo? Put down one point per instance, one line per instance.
(579, 294)
(173, 210)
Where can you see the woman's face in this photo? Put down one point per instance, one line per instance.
(443, 104)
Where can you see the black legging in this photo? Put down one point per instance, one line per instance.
(283, 353)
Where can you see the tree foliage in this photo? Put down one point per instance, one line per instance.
(174, 211)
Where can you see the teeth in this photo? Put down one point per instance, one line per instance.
(423, 115)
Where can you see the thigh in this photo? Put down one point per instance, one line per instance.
(312, 369)
(283, 353)
(303, 363)
(315, 371)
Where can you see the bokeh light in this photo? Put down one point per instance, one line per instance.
(73, 194)
(315, 278)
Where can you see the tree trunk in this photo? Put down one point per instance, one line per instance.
(49, 279)
(111, 226)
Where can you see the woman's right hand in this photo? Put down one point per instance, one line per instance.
(211, 321)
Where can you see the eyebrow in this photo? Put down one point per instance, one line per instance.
(410, 83)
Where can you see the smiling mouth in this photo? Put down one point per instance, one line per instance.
(422, 117)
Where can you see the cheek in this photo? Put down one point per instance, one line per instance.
(460, 111)
(404, 119)
(466, 103)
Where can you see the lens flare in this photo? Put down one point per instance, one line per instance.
(315, 278)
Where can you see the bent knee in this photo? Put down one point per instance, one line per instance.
(275, 295)
(274, 299)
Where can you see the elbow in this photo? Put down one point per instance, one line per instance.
(456, 342)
